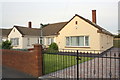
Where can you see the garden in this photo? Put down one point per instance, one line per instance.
(55, 62)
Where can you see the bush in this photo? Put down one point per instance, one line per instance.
(53, 46)
(6, 44)
(49, 50)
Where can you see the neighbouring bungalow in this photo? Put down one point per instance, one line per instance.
(4, 34)
(77, 33)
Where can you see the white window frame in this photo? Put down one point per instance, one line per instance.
(28, 41)
(76, 45)
(13, 41)
(50, 40)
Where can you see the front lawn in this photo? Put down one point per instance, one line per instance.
(116, 43)
(54, 62)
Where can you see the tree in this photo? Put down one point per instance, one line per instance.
(6, 44)
(53, 46)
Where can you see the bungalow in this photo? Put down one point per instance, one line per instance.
(77, 33)
(4, 34)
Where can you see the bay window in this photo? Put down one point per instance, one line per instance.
(77, 41)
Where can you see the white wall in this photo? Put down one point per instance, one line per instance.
(16, 34)
(32, 40)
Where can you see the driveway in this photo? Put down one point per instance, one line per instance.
(12, 73)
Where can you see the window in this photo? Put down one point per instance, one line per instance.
(50, 40)
(41, 40)
(78, 41)
(28, 41)
(15, 41)
(38, 40)
(86, 41)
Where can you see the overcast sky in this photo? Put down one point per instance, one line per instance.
(14, 12)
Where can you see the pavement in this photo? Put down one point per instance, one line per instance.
(12, 73)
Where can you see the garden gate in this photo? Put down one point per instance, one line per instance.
(81, 64)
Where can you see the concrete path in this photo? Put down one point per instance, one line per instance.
(95, 68)
(12, 73)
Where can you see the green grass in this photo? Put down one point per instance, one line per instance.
(54, 63)
(116, 43)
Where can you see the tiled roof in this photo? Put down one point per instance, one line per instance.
(51, 29)
(28, 31)
(5, 32)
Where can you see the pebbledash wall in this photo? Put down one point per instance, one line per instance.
(25, 61)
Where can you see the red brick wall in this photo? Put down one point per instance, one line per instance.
(25, 61)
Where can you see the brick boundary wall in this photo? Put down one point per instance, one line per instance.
(29, 62)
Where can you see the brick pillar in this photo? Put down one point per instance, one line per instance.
(38, 51)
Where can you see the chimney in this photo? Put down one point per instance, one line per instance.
(94, 16)
(30, 24)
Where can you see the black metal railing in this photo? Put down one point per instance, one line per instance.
(84, 64)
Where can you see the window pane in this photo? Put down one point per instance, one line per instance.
(28, 41)
(17, 41)
(77, 41)
(67, 41)
(52, 40)
(74, 41)
(81, 41)
(38, 40)
(86, 41)
(41, 40)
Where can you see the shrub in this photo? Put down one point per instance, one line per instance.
(6, 44)
(49, 50)
(53, 46)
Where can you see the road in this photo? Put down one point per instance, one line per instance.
(12, 73)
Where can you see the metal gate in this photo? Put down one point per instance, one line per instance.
(81, 64)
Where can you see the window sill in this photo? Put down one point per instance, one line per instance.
(77, 46)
